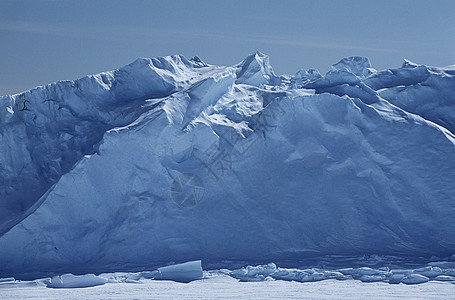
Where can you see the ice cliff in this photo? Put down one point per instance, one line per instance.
(170, 159)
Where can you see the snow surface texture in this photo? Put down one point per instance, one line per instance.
(169, 159)
(246, 283)
(226, 287)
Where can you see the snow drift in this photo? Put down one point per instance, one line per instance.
(169, 159)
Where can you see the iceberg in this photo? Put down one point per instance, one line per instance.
(173, 160)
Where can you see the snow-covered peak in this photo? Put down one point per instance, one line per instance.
(197, 62)
(255, 70)
(409, 64)
(359, 66)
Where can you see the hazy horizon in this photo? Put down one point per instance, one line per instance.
(45, 41)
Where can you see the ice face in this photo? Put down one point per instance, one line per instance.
(169, 159)
(45, 131)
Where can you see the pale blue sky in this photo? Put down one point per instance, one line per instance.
(42, 41)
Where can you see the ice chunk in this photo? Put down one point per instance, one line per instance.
(429, 271)
(257, 273)
(395, 278)
(75, 281)
(414, 279)
(444, 278)
(185, 272)
(372, 278)
(361, 271)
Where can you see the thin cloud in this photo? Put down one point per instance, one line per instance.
(122, 33)
(33, 27)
